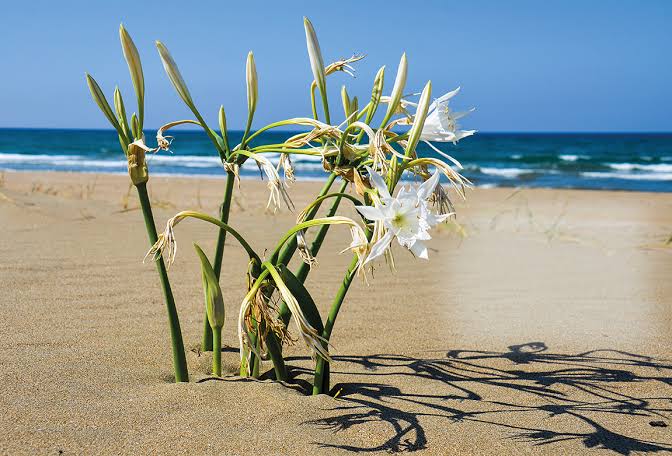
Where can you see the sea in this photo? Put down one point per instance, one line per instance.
(601, 161)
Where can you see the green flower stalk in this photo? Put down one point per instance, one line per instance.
(221, 144)
(135, 149)
(214, 305)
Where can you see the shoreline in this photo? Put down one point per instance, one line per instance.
(217, 177)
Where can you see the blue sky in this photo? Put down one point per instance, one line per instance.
(525, 65)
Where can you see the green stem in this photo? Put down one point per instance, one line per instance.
(250, 357)
(275, 352)
(289, 249)
(225, 208)
(304, 269)
(179, 359)
(302, 273)
(217, 351)
(319, 386)
(206, 340)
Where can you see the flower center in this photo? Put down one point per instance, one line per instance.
(399, 221)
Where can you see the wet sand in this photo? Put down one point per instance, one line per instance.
(542, 325)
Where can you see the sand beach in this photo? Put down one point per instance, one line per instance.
(542, 325)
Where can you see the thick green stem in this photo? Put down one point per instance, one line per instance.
(206, 341)
(302, 273)
(179, 359)
(275, 352)
(225, 208)
(250, 357)
(319, 386)
(217, 352)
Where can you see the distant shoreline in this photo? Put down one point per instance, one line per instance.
(312, 179)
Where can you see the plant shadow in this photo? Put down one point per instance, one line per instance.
(575, 396)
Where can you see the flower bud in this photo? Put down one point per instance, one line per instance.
(135, 127)
(137, 164)
(99, 97)
(222, 128)
(135, 68)
(419, 119)
(252, 84)
(214, 302)
(174, 75)
(315, 56)
(345, 99)
(121, 111)
(398, 89)
(376, 93)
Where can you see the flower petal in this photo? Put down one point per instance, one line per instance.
(371, 213)
(427, 188)
(378, 183)
(419, 250)
(380, 247)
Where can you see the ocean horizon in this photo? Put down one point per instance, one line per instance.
(582, 160)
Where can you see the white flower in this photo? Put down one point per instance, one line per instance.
(407, 217)
(441, 123)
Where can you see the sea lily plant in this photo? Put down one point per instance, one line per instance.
(396, 191)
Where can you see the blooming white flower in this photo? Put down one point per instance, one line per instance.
(441, 123)
(406, 217)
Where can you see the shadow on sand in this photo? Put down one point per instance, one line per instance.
(570, 396)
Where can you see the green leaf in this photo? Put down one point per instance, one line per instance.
(214, 302)
(303, 297)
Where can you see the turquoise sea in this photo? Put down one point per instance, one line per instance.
(615, 161)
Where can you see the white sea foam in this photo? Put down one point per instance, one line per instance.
(509, 173)
(58, 160)
(301, 162)
(656, 168)
(571, 157)
(629, 176)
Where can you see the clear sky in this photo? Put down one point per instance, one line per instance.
(525, 65)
